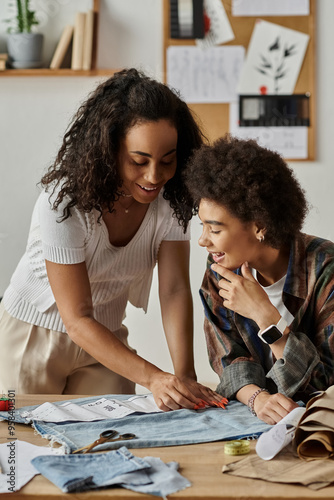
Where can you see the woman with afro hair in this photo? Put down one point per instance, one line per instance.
(268, 290)
(112, 205)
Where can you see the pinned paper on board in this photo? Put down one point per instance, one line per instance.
(274, 110)
(209, 76)
(270, 7)
(218, 27)
(290, 142)
(186, 18)
(274, 58)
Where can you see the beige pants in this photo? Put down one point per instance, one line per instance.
(35, 360)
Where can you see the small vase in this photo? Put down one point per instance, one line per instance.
(25, 50)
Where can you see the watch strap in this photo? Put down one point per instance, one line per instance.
(281, 325)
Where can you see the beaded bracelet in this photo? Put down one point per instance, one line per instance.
(251, 400)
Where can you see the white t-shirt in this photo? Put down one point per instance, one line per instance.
(117, 274)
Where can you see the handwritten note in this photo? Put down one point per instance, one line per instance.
(205, 75)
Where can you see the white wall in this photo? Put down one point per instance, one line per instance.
(34, 113)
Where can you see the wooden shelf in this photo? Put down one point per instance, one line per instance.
(56, 72)
(68, 71)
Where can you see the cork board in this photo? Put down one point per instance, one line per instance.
(215, 117)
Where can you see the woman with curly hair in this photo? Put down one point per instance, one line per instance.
(113, 204)
(268, 288)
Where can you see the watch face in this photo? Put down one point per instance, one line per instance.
(271, 335)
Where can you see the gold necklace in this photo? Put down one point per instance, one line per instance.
(126, 209)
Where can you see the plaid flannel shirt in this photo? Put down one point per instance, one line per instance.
(238, 355)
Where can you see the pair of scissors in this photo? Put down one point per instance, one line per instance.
(109, 435)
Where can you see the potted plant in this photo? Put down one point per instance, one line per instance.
(24, 46)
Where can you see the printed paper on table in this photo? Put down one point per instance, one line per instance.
(101, 409)
(279, 436)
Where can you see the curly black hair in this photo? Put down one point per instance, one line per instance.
(253, 183)
(85, 167)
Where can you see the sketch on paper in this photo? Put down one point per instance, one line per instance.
(274, 58)
(273, 66)
(205, 76)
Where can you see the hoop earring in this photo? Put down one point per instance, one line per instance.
(261, 239)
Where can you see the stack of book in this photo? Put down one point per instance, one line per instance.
(3, 59)
(78, 39)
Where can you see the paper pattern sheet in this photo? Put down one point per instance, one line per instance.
(15, 457)
(205, 75)
(278, 437)
(274, 58)
(101, 409)
(290, 142)
(270, 7)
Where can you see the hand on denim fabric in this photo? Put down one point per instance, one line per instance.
(170, 393)
(271, 408)
(201, 391)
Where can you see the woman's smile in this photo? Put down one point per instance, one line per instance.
(218, 256)
(229, 240)
(147, 159)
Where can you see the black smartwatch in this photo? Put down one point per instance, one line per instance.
(274, 332)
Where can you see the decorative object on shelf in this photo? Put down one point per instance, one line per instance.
(3, 60)
(63, 46)
(78, 39)
(24, 46)
(61, 65)
(88, 40)
(83, 40)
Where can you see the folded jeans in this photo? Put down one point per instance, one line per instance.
(73, 473)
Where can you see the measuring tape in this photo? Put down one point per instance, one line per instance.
(241, 447)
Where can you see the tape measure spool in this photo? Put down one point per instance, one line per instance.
(241, 447)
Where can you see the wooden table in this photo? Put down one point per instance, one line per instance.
(201, 464)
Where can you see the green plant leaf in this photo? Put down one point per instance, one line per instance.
(24, 19)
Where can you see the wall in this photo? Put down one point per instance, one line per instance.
(34, 113)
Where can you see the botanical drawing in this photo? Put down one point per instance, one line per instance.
(273, 65)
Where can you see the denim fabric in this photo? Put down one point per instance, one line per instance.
(164, 479)
(156, 429)
(73, 473)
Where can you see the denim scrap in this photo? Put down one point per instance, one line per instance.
(74, 473)
(164, 479)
